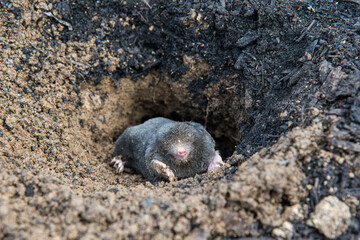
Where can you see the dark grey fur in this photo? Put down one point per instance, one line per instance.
(139, 145)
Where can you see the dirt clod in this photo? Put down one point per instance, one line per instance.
(331, 217)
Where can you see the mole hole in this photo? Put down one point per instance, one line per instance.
(170, 100)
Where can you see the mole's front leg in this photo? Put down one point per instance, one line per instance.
(163, 170)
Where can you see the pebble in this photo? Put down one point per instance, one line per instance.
(285, 231)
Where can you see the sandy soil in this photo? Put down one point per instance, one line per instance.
(277, 83)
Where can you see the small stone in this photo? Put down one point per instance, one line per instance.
(331, 217)
(315, 112)
(284, 232)
(246, 40)
(29, 192)
(42, 6)
(284, 114)
(239, 62)
(294, 213)
(182, 226)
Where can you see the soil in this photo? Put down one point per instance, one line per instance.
(277, 83)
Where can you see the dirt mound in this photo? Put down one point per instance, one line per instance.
(275, 82)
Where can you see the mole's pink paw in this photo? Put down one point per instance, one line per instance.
(215, 161)
(163, 170)
(118, 164)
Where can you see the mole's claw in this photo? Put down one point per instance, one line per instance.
(215, 161)
(120, 168)
(118, 164)
(163, 170)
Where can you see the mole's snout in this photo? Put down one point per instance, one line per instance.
(181, 152)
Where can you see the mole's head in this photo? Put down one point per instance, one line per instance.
(177, 142)
(186, 145)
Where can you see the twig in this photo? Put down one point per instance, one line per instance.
(353, 1)
(314, 190)
(262, 77)
(142, 17)
(306, 31)
(147, 4)
(207, 114)
(232, 87)
(295, 77)
(250, 55)
(49, 14)
(78, 63)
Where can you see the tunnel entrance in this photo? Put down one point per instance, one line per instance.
(217, 108)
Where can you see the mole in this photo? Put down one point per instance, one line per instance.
(163, 149)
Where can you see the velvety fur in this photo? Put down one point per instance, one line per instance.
(155, 140)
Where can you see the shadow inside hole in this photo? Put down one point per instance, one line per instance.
(174, 102)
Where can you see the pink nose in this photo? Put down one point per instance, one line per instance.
(182, 153)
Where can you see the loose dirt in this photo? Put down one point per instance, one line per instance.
(277, 84)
